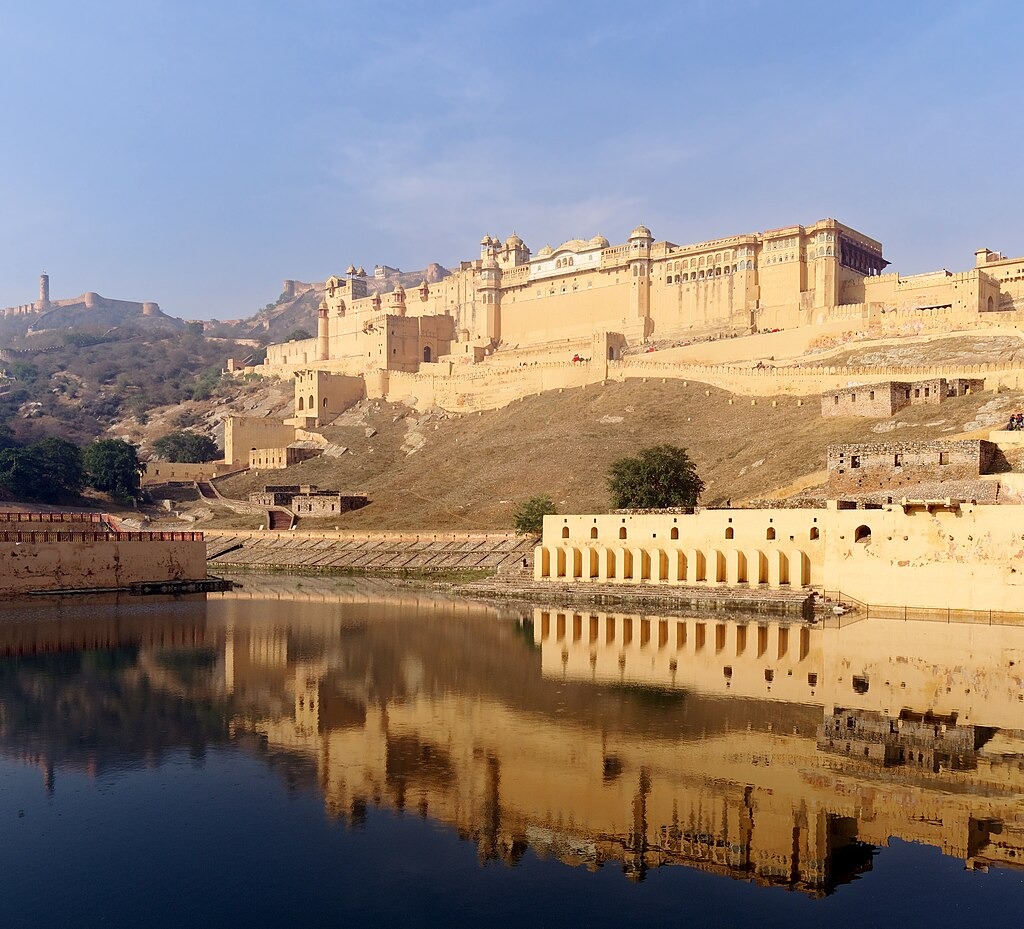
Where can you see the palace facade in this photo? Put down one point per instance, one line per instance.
(600, 297)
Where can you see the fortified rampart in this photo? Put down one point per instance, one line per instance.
(81, 552)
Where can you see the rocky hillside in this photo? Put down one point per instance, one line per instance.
(440, 469)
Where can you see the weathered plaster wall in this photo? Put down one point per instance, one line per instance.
(29, 565)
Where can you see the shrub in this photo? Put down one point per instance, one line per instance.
(529, 518)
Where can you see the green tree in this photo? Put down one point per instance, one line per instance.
(658, 476)
(113, 467)
(297, 335)
(48, 470)
(529, 518)
(184, 445)
(62, 462)
(21, 472)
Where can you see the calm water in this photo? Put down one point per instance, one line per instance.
(342, 754)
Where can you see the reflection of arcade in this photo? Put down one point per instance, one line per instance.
(775, 753)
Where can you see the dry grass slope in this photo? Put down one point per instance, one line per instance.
(473, 471)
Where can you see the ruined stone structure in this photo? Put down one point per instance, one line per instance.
(885, 398)
(870, 466)
(917, 553)
(308, 499)
(316, 502)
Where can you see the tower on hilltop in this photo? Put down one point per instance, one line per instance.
(44, 292)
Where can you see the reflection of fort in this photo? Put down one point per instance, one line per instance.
(777, 753)
(755, 749)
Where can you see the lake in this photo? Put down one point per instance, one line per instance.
(343, 752)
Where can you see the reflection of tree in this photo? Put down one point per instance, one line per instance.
(94, 708)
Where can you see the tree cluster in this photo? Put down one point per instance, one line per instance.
(56, 469)
(187, 446)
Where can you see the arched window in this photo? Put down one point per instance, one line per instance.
(593, 532)
(729, 533)
(862, 534)
(814, 533)
(622, 532)
(675, 532)
(427, 354)
(301, 404)
(312, 402)
(770, 534)
(565, 532)
(325, 403)
(991, 304)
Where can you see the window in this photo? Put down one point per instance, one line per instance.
(770, 534)
(593, 532)
(675, 533)
(943, 458)
(855, 461)
(862, 534)
(729, 534)
(622, 532)
(897, 460)
(871, 395)
(565, 532)
(814, 533)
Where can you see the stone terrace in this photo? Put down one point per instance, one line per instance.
(371, 552)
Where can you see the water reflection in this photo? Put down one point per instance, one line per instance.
(782, 754)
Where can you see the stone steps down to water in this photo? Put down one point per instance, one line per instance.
(372, 554)
(520, 586)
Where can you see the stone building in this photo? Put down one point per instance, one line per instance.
(326, 503)
(872, 466)
(930, 554)
(885, 398)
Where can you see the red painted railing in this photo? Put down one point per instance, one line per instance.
(11, 535)
(93, 518)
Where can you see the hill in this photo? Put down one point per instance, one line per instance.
(449, 470)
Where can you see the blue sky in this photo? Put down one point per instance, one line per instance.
(197, 153)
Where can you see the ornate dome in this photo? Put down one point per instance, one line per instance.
(545, 251)
(641, 232)
(350, 270)
(513, 241)
(487, 240)
(572, 245)
(599, 241)
(399, 289)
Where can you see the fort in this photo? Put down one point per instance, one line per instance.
(512, 322)
(41, 309)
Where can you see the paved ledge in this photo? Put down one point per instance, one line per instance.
(794, 603)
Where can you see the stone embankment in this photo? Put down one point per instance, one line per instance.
(384, 552)
(640, 597)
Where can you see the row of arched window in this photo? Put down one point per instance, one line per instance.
(729, 533)
(704, 275)
(565, 262)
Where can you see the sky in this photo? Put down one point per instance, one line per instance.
(198, 152)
